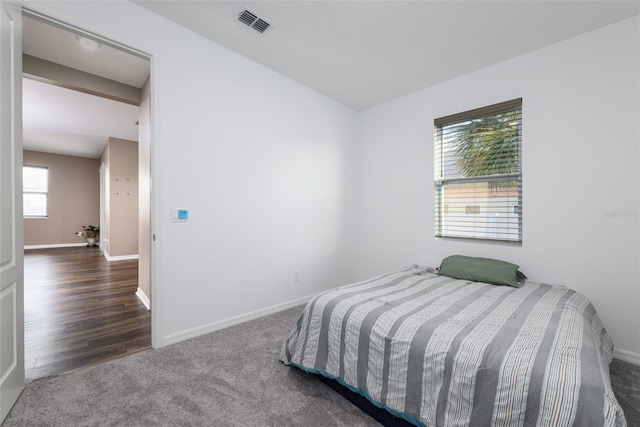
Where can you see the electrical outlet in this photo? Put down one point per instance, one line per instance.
(296, 277)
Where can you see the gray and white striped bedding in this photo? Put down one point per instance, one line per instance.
(443, 352)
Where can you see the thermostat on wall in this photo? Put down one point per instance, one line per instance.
(179, 215)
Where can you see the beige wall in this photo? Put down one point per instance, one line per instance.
(144, 206)
(74, 199)
(121, 162)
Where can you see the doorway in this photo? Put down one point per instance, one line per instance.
(109, 81)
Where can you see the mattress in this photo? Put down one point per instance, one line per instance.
(437, 351)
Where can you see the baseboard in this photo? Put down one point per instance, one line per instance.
(119, 257)
(143, 298)
(54, 245)
(626, 356)
(222, 324)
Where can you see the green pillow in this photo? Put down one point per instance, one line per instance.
(485, 270)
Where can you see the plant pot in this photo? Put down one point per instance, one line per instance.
(91, 241)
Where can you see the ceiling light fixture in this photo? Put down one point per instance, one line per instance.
(88, 43)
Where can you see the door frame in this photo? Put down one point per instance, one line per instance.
(79, 28)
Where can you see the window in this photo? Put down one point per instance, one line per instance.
(478, 173)
(35, 184)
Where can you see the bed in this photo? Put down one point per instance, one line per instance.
(439, 351)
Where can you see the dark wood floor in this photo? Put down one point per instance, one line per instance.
(80, 310)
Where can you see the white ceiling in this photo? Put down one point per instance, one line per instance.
(363, 53)
(64, 121)
(55, 44)
(360, 53)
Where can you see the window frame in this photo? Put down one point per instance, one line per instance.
(45, 193)
(440, 181)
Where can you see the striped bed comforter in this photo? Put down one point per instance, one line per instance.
(444, 352)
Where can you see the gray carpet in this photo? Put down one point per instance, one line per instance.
(227, 378)
(625, 379)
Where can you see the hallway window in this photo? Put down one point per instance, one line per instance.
(35, 185)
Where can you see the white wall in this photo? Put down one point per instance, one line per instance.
(275, 181)
(261, 162)
(580, 172)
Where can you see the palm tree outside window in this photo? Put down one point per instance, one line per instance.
(478, 173)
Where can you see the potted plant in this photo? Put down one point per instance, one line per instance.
(90, 232)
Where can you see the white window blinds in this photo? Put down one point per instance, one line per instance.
(35, 184)
(478, 173)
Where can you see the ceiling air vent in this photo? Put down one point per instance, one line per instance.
(252, 20)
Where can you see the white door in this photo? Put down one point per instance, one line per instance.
(11, 240)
